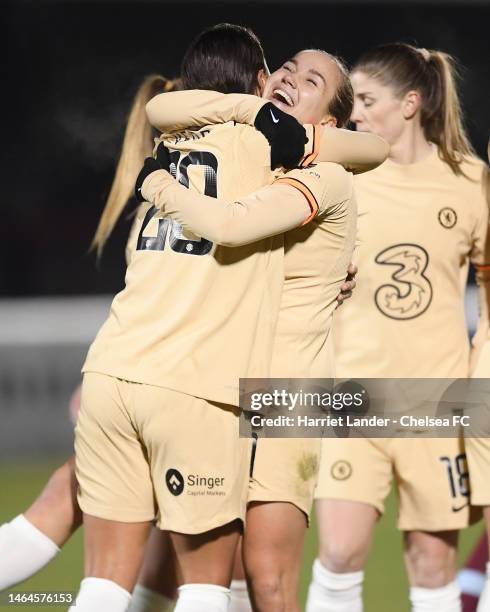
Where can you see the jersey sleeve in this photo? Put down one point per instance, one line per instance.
(271, 210)
(179, 110)
(357, 152)
(480, 258)
(323, 186)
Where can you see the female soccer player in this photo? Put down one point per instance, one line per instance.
(423, 218)
(158, 416)
(478, 442)
(118, 192)
(279, 497)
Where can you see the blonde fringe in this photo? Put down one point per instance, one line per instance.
(137, 145)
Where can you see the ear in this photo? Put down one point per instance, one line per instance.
(329, 121)
(261, 81)
(411, 103)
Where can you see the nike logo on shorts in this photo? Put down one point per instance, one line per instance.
(460, 508)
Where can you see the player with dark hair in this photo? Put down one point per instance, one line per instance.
(103, 232)
(316, 255)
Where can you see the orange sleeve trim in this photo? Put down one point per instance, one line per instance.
(310, 158)
(310, 198)
(482, 266)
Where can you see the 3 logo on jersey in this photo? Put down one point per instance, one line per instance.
(410, 293)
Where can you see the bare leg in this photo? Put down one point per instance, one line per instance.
(30, 541)
(273, 544)
(114, 550)
(240, 598)
(238, 569)
(430, 559)
(56, 511)
(158, 571)
(207, 557)
(346, 533)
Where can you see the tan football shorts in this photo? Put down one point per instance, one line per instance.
(431, 478)
(145, 452)
(285, 470)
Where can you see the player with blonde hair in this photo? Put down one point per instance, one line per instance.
(110, 218)
(423, 219)
(153, 358)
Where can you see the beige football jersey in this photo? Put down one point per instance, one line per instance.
(318, 248)
(419, 227)
(316, 257)
(195, 316)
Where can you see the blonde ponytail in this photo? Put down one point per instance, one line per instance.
(137, 145)
(444, 125)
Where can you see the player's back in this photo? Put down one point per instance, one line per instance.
(316, 257)
(195, 316)
(419, 225)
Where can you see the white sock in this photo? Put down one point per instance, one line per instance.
(484, 601)
(443, 599)
(332, 592)
(202, 598)
(144, 599)
(24, 550)
(240, 600)
(100, 595)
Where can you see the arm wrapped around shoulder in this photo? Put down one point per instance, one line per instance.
(271, 210)
(356, 151)
(179, 110)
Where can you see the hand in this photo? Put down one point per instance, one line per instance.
(286, 136)
(161, 162)
(348, 285)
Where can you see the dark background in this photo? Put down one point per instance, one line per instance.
(70, 71)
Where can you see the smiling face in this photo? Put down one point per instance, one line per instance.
(304, 85)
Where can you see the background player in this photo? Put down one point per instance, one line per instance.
(478, 443)
(423, 217)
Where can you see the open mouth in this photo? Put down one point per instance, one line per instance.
(282, 96)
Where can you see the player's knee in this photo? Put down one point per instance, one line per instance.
(342, 557)
(267, 591)
(430, 567)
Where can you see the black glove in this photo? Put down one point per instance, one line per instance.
(162, 162)
(286, 136)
